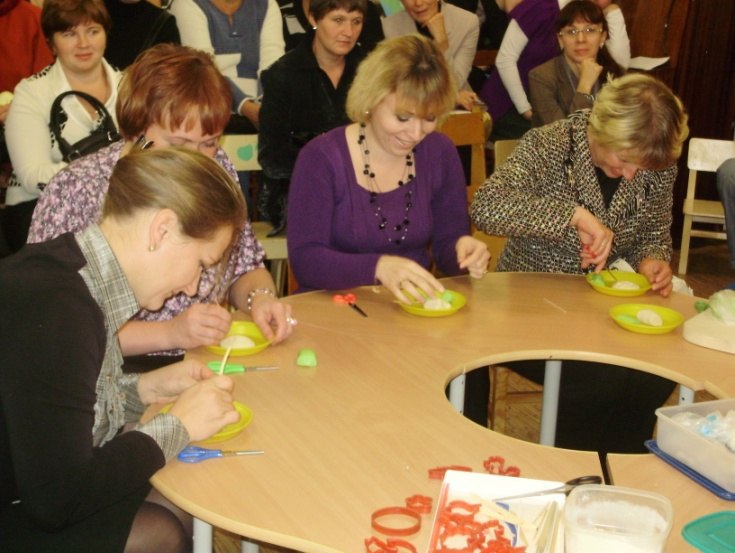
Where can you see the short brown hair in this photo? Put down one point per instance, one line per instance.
(171, 85)
(319, 8)
(411, 66)
(191, 184)
(59, 15)
(640, 114)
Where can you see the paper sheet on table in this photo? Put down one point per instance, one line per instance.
(475, 487)
(645, 63)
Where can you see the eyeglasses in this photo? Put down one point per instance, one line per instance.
(573, 32)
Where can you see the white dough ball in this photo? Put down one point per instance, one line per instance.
(437, 304)
(237, 342)
(649, 317)
(625, 285)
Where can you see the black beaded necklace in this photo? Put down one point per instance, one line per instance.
(408, 175)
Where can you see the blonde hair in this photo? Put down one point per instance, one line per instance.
(412, 67)
(192, 185)
(642, 115)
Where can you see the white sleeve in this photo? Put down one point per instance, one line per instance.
(193, 25)
(618, 43)
(29, 139)
(272, 45)
(513, 44)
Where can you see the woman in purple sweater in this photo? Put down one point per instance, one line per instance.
(382, 199)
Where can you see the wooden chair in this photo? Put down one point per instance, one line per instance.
(242, 149)
(705, 154)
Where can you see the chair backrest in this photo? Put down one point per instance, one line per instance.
(503, 149)
(465, 128)
(706, 154)
(242, 149)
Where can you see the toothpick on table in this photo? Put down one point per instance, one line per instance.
(224, 361)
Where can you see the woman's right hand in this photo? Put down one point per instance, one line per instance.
(596, 238)
(400, 275)
(206, 407)
(589, 72)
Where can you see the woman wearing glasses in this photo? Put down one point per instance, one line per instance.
(571, 80)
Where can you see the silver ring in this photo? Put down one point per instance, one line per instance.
(291, 321)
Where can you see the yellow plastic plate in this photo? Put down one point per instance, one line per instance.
(625, 315)
(230, 430)
(456, 299)
(609, 280)
(243, 328)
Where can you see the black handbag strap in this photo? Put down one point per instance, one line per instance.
(55, 121)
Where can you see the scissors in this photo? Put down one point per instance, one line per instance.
(348, 299)
(194, 454)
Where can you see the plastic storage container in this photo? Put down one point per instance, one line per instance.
(612, 519)
(710, 458)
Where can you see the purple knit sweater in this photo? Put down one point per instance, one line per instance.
(333, 237)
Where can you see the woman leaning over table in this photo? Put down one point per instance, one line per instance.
(76, 31)
(304, 95)
(171, 96)
(592, 187)
(71, 480)
(380, 199)
(571, 81)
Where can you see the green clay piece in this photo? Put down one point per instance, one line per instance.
(701, 305)
(306, 358)
(597, 280)
(630, 319)
(447, 296)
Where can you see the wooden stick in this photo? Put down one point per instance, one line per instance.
(224, 361)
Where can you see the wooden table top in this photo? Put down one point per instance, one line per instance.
(361, 430)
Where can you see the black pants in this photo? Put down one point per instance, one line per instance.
(603, 408)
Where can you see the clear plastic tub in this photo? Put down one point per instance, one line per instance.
(710, 458)
(611, 519)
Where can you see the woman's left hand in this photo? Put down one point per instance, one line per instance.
(273, 317)
(466, 99)
(164, 385)
(658, 273)
(472, 254)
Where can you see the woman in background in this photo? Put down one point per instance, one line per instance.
(597, 185)
(571, 80)
(246, 37)
(77, 31)
(304, 95)
(455, 31)
(72, 480)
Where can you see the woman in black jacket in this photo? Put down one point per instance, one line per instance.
(304, 96)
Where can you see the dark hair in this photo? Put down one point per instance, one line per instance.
(172, 85)
(591, 13)
(319, 8)
(60, 15)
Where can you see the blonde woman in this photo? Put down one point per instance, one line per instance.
(575, 194)
(384, 198)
